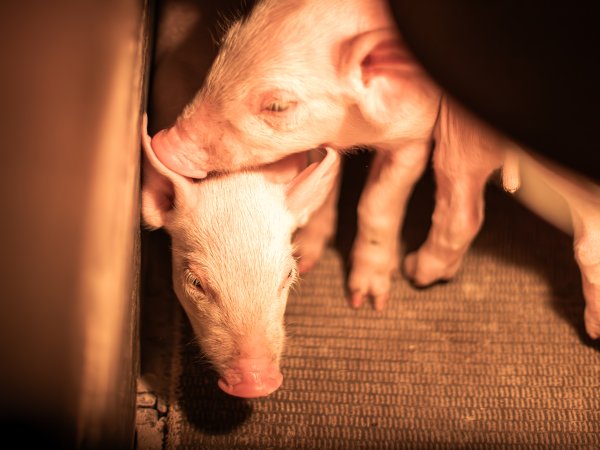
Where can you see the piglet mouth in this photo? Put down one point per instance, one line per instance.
(251, 379)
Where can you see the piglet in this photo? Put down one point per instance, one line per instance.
(232, 257)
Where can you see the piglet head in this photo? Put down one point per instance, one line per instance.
(232, 258)
(269, 93)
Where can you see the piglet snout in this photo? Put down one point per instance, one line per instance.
(179, 153)
(251, 378)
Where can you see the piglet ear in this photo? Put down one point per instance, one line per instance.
(309, 189)
(376, 66)
(160, 185)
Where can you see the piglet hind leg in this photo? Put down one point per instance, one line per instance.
(456, 220)
(465, 156)
(374, 256)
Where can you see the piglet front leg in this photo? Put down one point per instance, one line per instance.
(381, 208)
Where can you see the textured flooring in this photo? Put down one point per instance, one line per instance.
(494, 359)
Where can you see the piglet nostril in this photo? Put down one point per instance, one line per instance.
(251, 379)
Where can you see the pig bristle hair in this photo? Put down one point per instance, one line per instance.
(294, 287)
(200, 358)
(215, 39)
(227, 19)
(192, 343)
(225, 22)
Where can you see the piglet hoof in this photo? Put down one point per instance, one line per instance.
(379, 300)
(592, 323)
(423, 271)
(363, 286)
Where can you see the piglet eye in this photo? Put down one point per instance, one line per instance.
(293, 273)
(289, 279)
(195, 283)
(278, 106)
